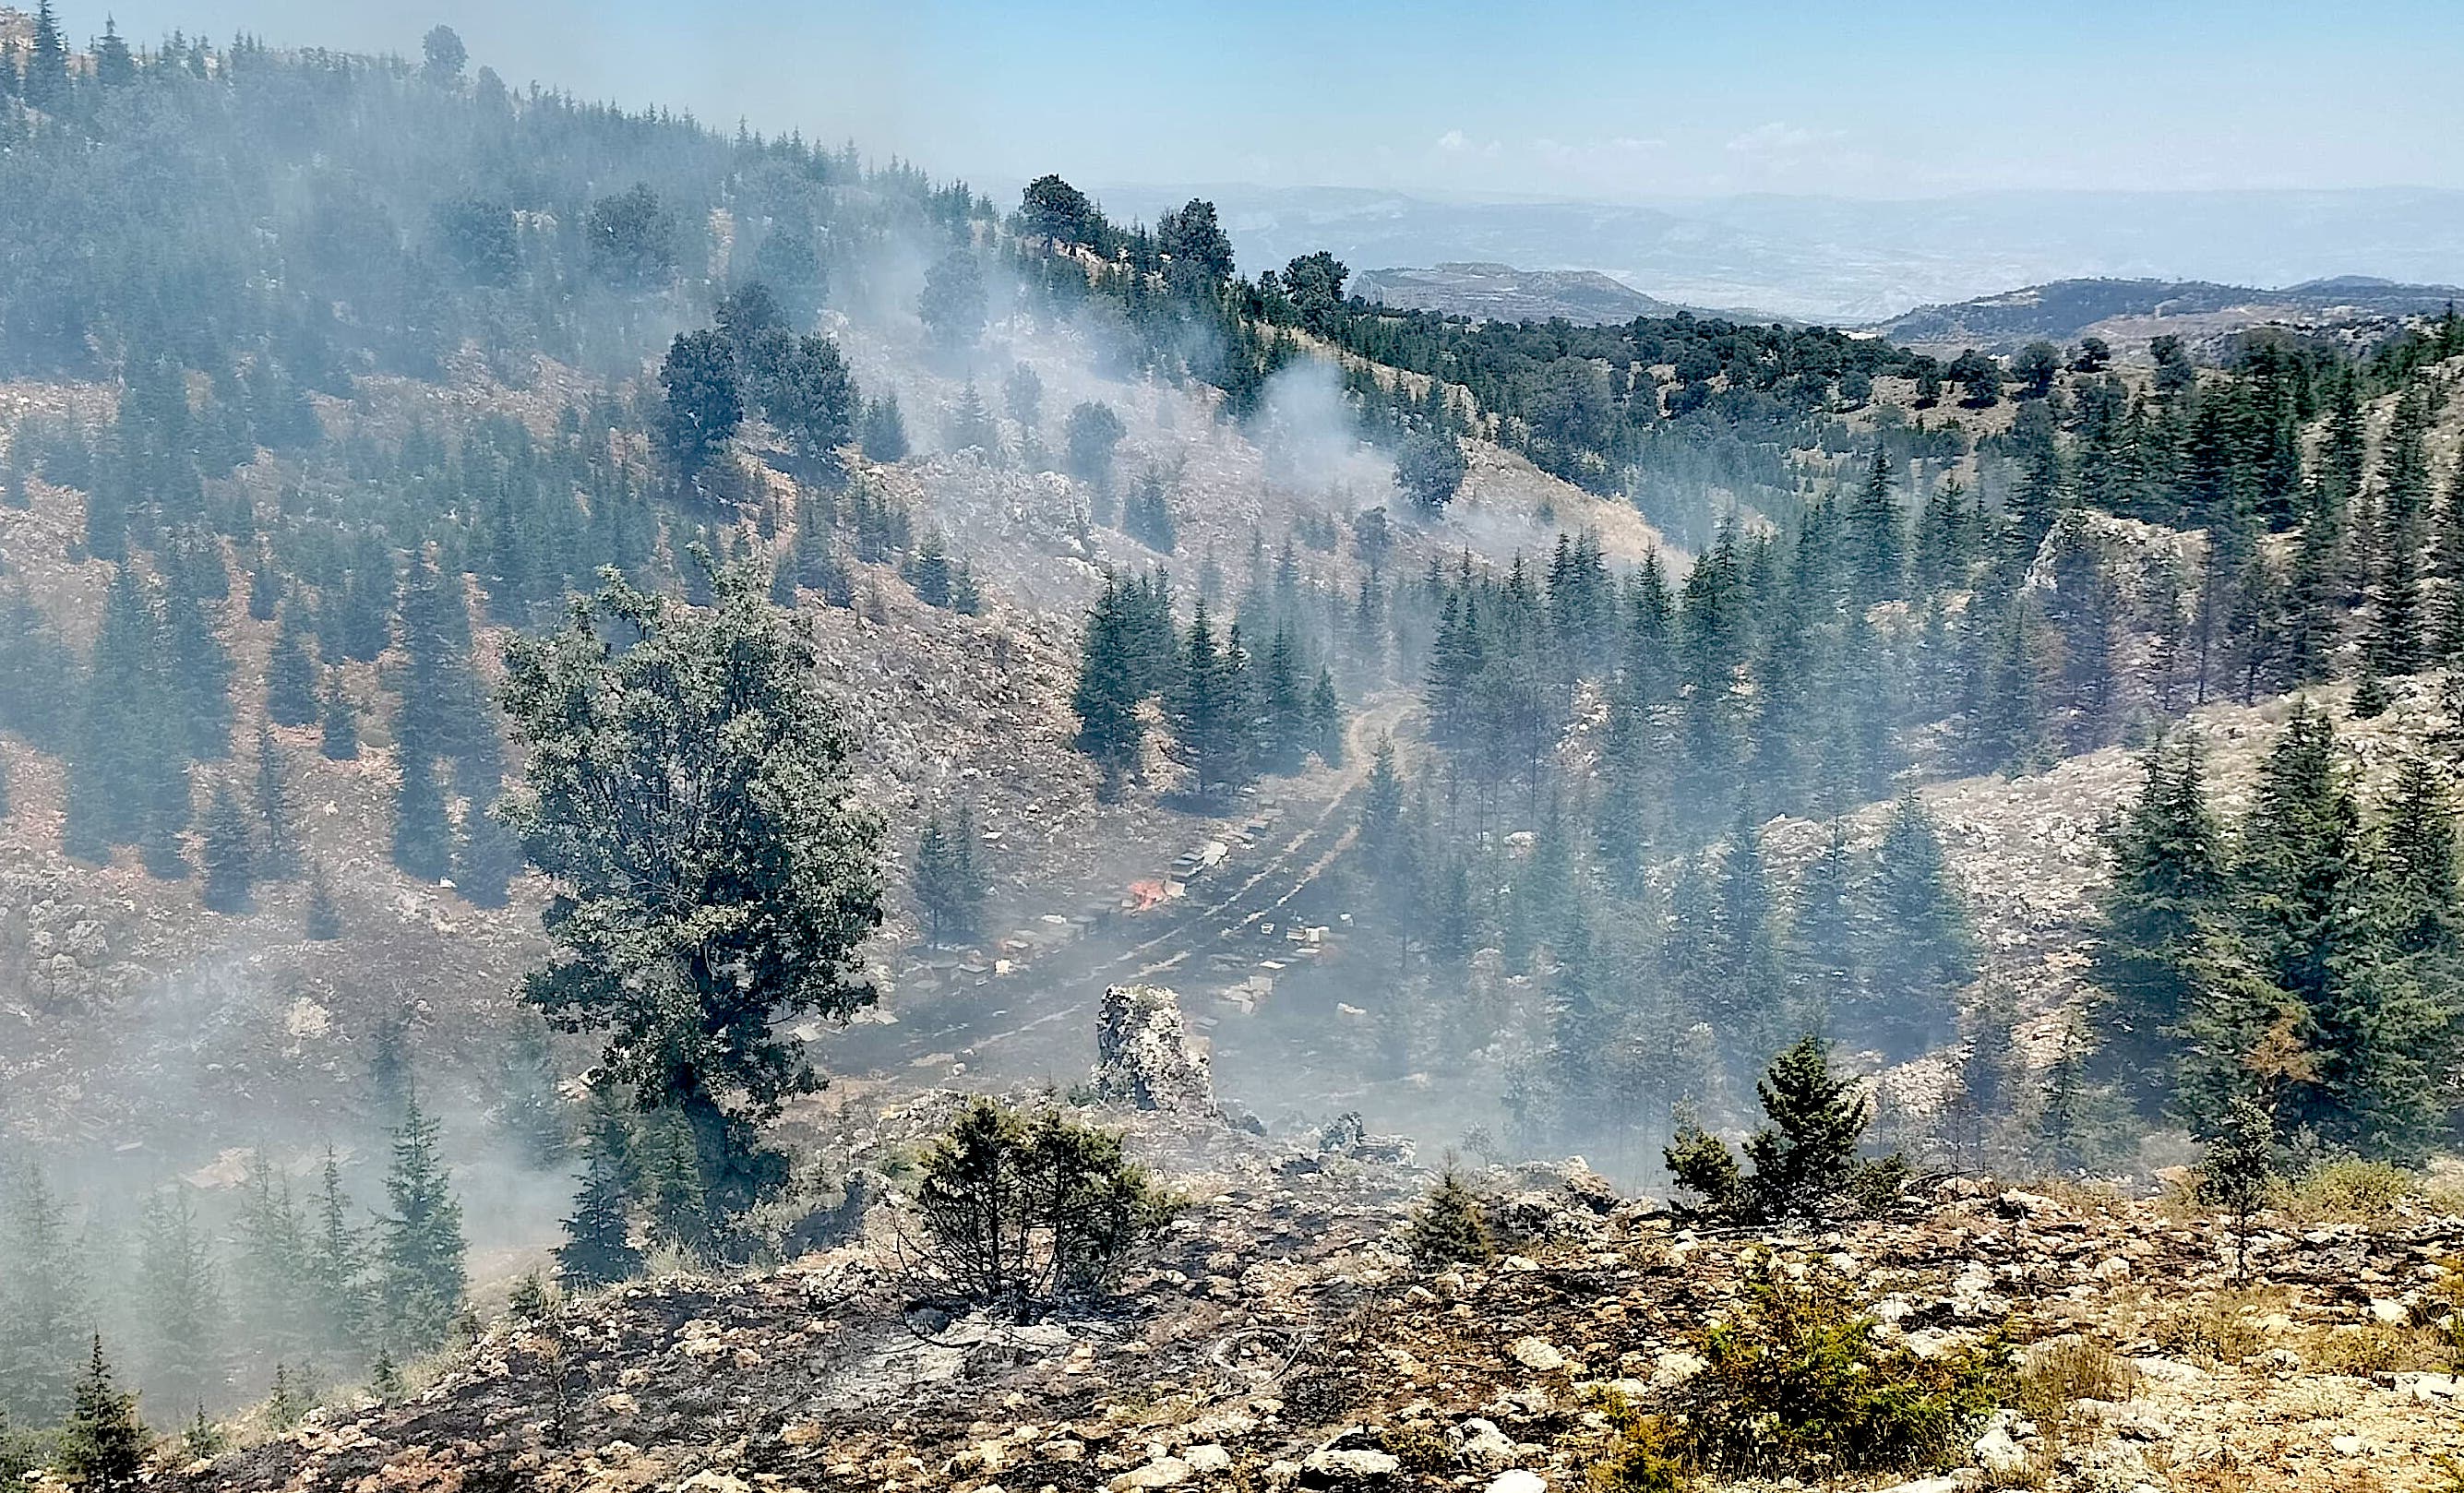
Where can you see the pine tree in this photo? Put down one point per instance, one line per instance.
(1876, 554)
(45, 83)
(1112, 682)
(42, 1300)
(487, 857)
(290, 1399)
(949, 881)
(2396, 634)
(127, 768)
(290, 676)
(324, 920)
(883, 435)
(340, 720)
(595, 1250)
(203, 1441)
(2064, 1122)
(229, 858)
(532, 1112)
(1449, 1229)
(1922, 950)
(1326, 720)
(277, 1295)
(2413, 870)
(334, 1259)
(928, 572)
(1147, 515)
(183, 1301)
(1806, 1159)
(2004, 720)
(1382, 830)
(420, 1276)
(281, 831)
(1283, 708)
(2298, 867)
(2240, 1169)
(264, 588)
(103, 1443)
(1824, 936)
(1209, 712)
(423, 840)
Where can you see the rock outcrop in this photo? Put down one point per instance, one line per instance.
(1144, 1056)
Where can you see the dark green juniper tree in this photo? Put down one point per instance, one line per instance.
(688, 793)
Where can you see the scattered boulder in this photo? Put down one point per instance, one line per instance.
(1484, 1447)
(1144, 1056)
(1164, 1472)
(1348, 1136)
(1537, 1356)
(1333, 1468)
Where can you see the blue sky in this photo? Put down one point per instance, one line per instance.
(1561, 98)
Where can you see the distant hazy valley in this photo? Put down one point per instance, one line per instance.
(1835, 259)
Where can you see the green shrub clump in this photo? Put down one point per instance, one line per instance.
(1450, 1228)
(1026, 1211)
(1794, 1383)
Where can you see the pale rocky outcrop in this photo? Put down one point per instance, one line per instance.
(1144, 1056)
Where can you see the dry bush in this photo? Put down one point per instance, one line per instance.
(2353, 1191)
(2365, 1348)
(2088, 1197)
(2442, 1311)
(2222, 1325)
(1418, 1445)
(2059, 1373)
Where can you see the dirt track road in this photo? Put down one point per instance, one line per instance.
(1038, 1023)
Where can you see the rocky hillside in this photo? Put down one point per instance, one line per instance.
(1283, 1337)
(121, 985)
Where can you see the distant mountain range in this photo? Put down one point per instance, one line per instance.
(2063, 311)
(1502, 293)
(2067, 310)
(1855, 261)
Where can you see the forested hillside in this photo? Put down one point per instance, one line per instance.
(412, 492)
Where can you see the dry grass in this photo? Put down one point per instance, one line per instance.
(2061, 1371)
(2371, 1193)
(2366, 1348)
(2220, 1327)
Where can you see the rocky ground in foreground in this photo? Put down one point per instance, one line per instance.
(1282, 1338)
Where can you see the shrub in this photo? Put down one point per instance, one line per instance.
(1417, 1446)
(2354, 1191)
(529, 1298)
(2221, 1326)
(1644, 1453)
(1023, 1212)
(2058, 1373)
(1450, 1229)
(1794, 1383)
